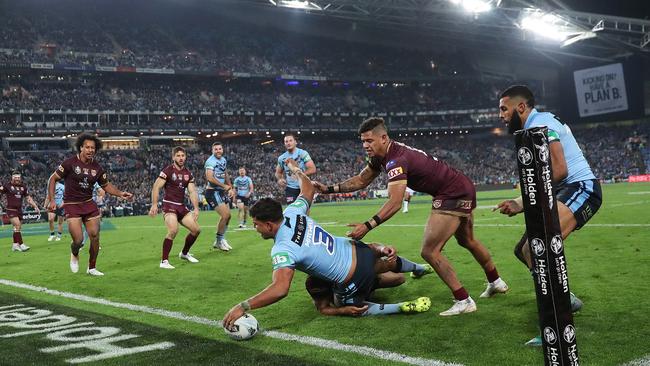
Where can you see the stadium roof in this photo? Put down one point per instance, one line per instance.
(580, 29)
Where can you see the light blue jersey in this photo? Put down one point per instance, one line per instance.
(96, 189)
(302, 244)
(243, 185)
(59, 189)
(577, 166)
(301, 157)
(218, 167)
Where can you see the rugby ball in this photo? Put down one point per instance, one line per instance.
(246, 327)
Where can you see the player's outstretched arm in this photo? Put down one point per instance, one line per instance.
(113, 191)
(307, 189)
(359, 181)
(273, 293)
(394, 204)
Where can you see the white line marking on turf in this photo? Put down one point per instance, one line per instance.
(628, 204)
(640, 192)
(138, 227)
(645, 361)
(313, 341)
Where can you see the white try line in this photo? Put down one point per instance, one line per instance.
(639, 192)
(645, 361)
(312, 341)
(138, 227)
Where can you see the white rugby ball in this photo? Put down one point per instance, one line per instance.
(246, 327)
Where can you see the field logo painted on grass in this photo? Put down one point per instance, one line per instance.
(27, 320)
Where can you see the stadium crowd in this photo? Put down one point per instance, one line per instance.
(614, 154)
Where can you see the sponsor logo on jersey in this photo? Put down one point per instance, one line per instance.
(93, 172)
(395, 172)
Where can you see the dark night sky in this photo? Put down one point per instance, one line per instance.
(625, 8)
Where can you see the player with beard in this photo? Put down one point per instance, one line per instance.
(454, 199)
(575, 187)
(283, 174)
(80, 173)
(16, 191)
(218, 193)
(175, 178)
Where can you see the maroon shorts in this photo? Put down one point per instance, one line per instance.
(85, 210)
(15, 212)
(179, 210)
(458, 198)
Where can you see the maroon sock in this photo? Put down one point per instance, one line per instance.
(18, 237)
(189, 241)
(461, 294)
(167, 247)
(93, 252)
(492, 275)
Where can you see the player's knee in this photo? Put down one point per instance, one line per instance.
(196, 231)
(429, 254)
(171, 233)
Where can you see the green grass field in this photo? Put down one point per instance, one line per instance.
(608, 270)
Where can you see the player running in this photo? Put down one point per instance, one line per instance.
(454, 199)
(57, 214)
(16, 191)
(244, 186)
(300, 243)
(218, 193)
(284, 176)
(80, 173)
(575, 186)
(175, 178)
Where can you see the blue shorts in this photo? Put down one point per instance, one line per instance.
(242, 199)
(291, 194)
(215, 197)
(358, 289)
(582, 198)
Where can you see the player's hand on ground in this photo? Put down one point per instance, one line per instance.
(320, 187)
(235, 313)
(358, 231)
(153, 211)
(282, 183)
(126, 195)
(353, 310)
(509, 207)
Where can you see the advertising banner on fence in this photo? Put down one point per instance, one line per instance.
(600, 90)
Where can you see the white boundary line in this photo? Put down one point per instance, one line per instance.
(138, 227)
(313, 341)
(645, 361)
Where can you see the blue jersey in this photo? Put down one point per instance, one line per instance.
(301, 244)
(96, 188)
(301, 157)
(242, 184)
(59, 188)
(577, 166)
(218, 167)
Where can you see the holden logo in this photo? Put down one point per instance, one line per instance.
(549, 335)
(537, 246)
(556, 244)
(525, 156)
(543, 152)
(569, 333)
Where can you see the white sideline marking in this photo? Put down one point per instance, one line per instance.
(639, 192)
(313, 341)
(629, 204)
(645, 361)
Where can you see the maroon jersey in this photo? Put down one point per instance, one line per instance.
(80, 179)
(15, 194)
(176, 180)
(421, 171)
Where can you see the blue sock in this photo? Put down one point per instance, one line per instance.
(219, 236)
(405, 265)
(381, 309)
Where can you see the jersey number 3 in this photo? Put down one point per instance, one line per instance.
(323, 237)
